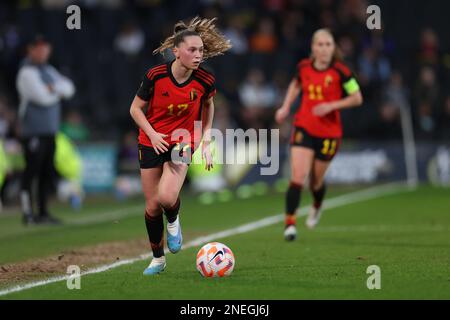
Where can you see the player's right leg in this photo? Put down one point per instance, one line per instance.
(168, 197)
(153, 219)
(318, 189)
(301, 162)
(151, 171)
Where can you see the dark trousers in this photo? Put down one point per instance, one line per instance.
(39, 156)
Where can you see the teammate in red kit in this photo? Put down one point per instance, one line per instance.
(327, 86)
(175, 95)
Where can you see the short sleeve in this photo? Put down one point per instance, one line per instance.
(211, 91)
(298, 69)
(348, 80)
(145, 89)
(208, 81)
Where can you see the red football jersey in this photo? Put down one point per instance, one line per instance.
(319, 86)
(173, 105)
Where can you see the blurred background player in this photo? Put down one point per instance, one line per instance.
(41, 88)
(328, 86)
(175, 94)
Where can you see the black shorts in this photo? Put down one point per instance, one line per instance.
(324, 148)
(148, 158)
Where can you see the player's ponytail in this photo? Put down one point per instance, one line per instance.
(214, 42)
(180, 26)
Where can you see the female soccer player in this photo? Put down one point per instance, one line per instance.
(175, 95)
(328, 86)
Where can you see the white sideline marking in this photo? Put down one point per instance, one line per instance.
(383, 228)
(354, 197)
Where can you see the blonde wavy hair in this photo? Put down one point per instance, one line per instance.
(214, 42)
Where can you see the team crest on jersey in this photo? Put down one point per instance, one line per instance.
(328, 80)
(193, 95)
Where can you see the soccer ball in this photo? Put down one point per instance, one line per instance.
(215, 259)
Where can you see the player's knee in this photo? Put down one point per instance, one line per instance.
(316, 184)
(167, 199)
(152, 209)
(295, 186)
(298, 178)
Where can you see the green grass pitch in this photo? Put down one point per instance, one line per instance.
(406, 234)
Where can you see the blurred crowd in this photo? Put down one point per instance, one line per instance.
(405, 63)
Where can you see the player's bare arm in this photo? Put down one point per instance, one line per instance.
(291, 94)
(137, 113)
(207, 120)
(351, 101)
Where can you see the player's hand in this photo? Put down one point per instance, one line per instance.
(207, 155)
(281, 115)
(159, 144)
(322, 109)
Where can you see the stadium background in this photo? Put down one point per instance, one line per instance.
(404, 65)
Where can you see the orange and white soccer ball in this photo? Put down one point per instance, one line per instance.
(215, 259)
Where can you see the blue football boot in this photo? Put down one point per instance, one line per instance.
(156, 266)
(174, 242)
